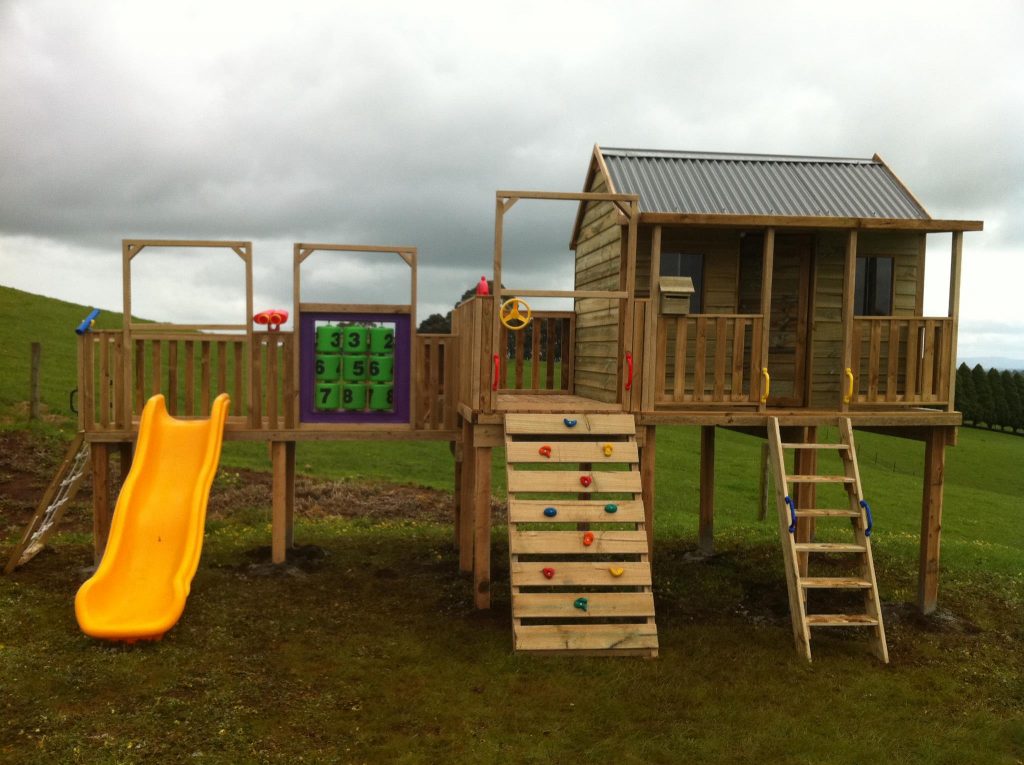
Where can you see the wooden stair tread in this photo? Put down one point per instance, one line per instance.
(568, 481)
(572, 451)
(575, 511)
(627, 541)
(840, 447)
(576, 637)
(587, 425)
(841, 620)
(576, 574)
(821, 512)
(527, 605)
(834, 583)
(819, 479)
(836, 547)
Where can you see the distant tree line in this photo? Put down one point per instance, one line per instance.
(990, 397)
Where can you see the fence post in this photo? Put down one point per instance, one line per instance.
(33, 382)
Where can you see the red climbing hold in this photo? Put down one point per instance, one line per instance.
(549, 573)
(588, 539)
(544, 451)
(586, 480)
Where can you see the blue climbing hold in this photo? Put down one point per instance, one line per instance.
(580, 603)
(550, 512)
(569, 423)
(611, 507)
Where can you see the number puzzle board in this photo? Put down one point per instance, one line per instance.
(352, 385)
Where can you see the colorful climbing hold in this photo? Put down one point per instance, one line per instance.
(616, 571)
(607, 449)
(548, 572)
(580, 603)
(586, 480)
(544, 451)
(569, 423)
(550, 512)
(611, 507)
(588, 539)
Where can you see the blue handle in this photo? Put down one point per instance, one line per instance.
(871, 522)
(86, 324)
(792, 514)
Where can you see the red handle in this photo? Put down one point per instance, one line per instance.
(629, 368)
(497, 371)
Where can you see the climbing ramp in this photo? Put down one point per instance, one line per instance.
(801, 557)
(580, 568)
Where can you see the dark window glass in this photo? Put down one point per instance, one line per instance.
(872, 291)
(686, 264)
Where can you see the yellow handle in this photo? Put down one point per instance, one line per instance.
(767, 384)
(849, 391)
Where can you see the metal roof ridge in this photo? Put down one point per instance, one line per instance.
(733, 157)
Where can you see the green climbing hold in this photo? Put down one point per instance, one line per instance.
(611, 507)
(580, 603)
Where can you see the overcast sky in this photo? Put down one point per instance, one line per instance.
(395, 123)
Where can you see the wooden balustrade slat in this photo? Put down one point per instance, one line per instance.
(118, 372)
(272, 380)
(237, 393)
(105, 380)
(172, 377)
(205, 372)
(700, 358)
(910, 384)
(190, 378)
(520, 352)
(893, 360)
(661, 362)
(288, 388)
(140, 376)
(679, 371)
(535, 355)
(873, 363)
(928, 361)
(85, 403)
(256, 406)
(549, 360)
(156, 382)
(720, 348)
(739, 338)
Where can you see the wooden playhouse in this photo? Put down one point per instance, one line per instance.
(770, 295)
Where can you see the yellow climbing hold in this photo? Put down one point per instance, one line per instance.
(607, 450)
(617, 571)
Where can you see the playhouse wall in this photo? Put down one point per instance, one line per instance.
(598, 263)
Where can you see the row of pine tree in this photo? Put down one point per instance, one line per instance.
(990, 397)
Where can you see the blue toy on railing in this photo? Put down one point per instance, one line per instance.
(87, 322)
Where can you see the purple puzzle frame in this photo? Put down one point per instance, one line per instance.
(307, 369)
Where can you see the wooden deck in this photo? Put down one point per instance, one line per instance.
(550, 402)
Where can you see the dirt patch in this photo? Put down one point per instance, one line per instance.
(236, 489)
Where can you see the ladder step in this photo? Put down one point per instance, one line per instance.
(841, 620)
(829, 547)
(827, 513)
(834, 583)
(815, 446)
(819, 479)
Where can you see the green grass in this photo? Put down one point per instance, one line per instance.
(376, 654)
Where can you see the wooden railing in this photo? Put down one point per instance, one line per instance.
(901, 360)
(434, 382)
(708, 359)
(547, 344)
(190, 369)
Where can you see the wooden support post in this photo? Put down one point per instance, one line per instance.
(849, 280)
(468, 509)
(955, 267)
(101, 512)
(806, 463)
(706, 525)
(33, 381)
(647, 457)
(931, 519)
(283, 499)
(456, 449)
(482, 527)
(768, 265)
(124, 460)
(766, 477)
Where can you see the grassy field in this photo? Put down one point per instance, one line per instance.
(367, 649)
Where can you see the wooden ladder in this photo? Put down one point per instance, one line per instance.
(858, 512)
(580, 569)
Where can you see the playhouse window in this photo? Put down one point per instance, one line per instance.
(872, 293)
(686, 264)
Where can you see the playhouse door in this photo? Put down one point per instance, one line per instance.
(787, 332)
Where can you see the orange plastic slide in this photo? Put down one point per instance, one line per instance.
(139, 589)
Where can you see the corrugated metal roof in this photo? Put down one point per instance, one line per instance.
(760, 184)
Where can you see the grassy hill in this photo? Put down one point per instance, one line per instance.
(374, 653)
